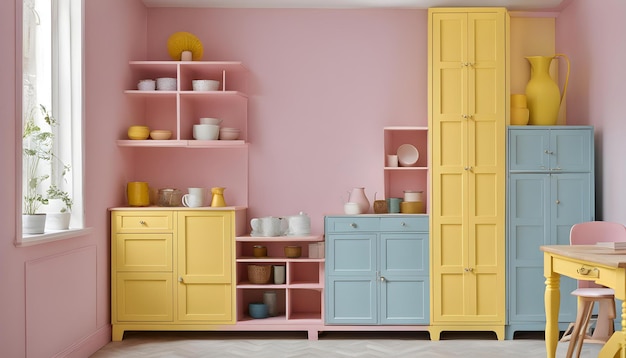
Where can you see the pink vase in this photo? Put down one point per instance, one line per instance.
(357, 195)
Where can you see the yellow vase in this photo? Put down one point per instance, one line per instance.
(542, 93)
(519, 110)
(218, 197)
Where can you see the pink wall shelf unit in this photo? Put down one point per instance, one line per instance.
(178, 110)
(400, 178)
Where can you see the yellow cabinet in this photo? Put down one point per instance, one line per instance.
(468, 86)
(171, 269)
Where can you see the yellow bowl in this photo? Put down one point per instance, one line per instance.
(138, 132)
(293, 251)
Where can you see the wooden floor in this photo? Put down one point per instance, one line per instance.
(330, 344)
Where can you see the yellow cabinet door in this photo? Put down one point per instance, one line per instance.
(205, 266)
(467, 118)
(143, 297)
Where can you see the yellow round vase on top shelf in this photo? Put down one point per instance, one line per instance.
(542, 93)
(519, 110)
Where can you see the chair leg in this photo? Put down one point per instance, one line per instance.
(604, 324)
(580, 327)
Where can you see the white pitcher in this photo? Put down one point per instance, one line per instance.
(299, 225)
(268, 226)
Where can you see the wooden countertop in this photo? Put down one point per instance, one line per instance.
(591, 253)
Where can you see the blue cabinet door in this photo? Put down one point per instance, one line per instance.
(528, 150)
(351, 285)
(403, 278)
(570, 150)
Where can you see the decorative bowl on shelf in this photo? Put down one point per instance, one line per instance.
(259, 251)
(209, 120)
(146, 85)
(166, 84)
(229, 133)
(205, 85)
(161, 134)
(258, 310)
(293, 252)
(138, 132)
(259, 274)
(206, 131)
(407, 155)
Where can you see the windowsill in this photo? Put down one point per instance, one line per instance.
(51, 236)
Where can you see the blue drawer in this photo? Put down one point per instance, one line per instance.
(404, 224)
(351, 224)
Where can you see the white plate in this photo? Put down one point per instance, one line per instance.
(407, 155)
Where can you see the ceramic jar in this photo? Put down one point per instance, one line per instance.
(357, 195)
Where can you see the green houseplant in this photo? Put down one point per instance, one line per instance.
(37, 143)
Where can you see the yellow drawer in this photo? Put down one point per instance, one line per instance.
(143, 221)
(143, 252)
(143, 297)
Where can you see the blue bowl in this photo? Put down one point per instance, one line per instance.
(258, 310)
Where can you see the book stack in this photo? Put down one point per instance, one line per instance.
(620, 245)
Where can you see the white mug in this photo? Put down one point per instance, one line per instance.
(392, 160)
(195, 198)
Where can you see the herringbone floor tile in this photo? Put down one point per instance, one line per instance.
(330, 344)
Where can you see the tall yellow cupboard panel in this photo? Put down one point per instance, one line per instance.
(205, 251)
(467, 118)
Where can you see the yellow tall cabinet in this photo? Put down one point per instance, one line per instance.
(468, 101)
(172, 269)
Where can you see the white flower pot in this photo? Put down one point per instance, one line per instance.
(58, 221)
(33, 224)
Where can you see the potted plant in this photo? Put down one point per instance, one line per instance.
(37, 144)
(59, 220)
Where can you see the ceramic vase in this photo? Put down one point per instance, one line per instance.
(218, 197)
(542, 93)
(269, 298)
(357, 195)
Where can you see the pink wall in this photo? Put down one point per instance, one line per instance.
(323, 84)
(588, 31)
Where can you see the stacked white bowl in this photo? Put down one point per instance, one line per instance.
(208, 129)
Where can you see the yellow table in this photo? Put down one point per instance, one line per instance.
(584, 262)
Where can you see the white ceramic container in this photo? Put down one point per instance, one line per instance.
(166, 84)
(205, 85)
(206, 131)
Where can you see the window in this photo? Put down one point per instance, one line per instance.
(52, 109)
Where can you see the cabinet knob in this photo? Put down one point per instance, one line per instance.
(353, 225)
(549, 152)
(403, 224)
(557, 168)
(468, 168)
(468, 269)
(382, 279)
(142, 222)
(557, 201)
(180, 279)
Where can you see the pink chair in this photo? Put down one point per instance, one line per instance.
(589, 233)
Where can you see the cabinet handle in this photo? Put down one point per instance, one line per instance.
(180, 279)
(468, 168)
(382, 279)
(548, 152)
(142, 222)
(557, 168)
(468, 269)
(353, 225)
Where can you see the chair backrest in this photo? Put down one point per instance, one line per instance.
(588, 233)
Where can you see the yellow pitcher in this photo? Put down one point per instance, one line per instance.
(542, 93)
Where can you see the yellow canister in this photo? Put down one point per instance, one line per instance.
(138, 193)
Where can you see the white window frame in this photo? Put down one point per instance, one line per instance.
(66, 100)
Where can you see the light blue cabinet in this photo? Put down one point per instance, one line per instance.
(377, 270)
(550, 187)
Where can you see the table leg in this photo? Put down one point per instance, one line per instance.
(552, 302)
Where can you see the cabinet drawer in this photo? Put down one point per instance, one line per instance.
(158, 221)
(143, 297)
(143, 252)
(352, 224)
(404, 224)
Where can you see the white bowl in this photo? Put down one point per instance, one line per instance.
(215, 121)
(407, 155)
(146, 85)
(166, 84)
(205, 85)
(206, 131)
